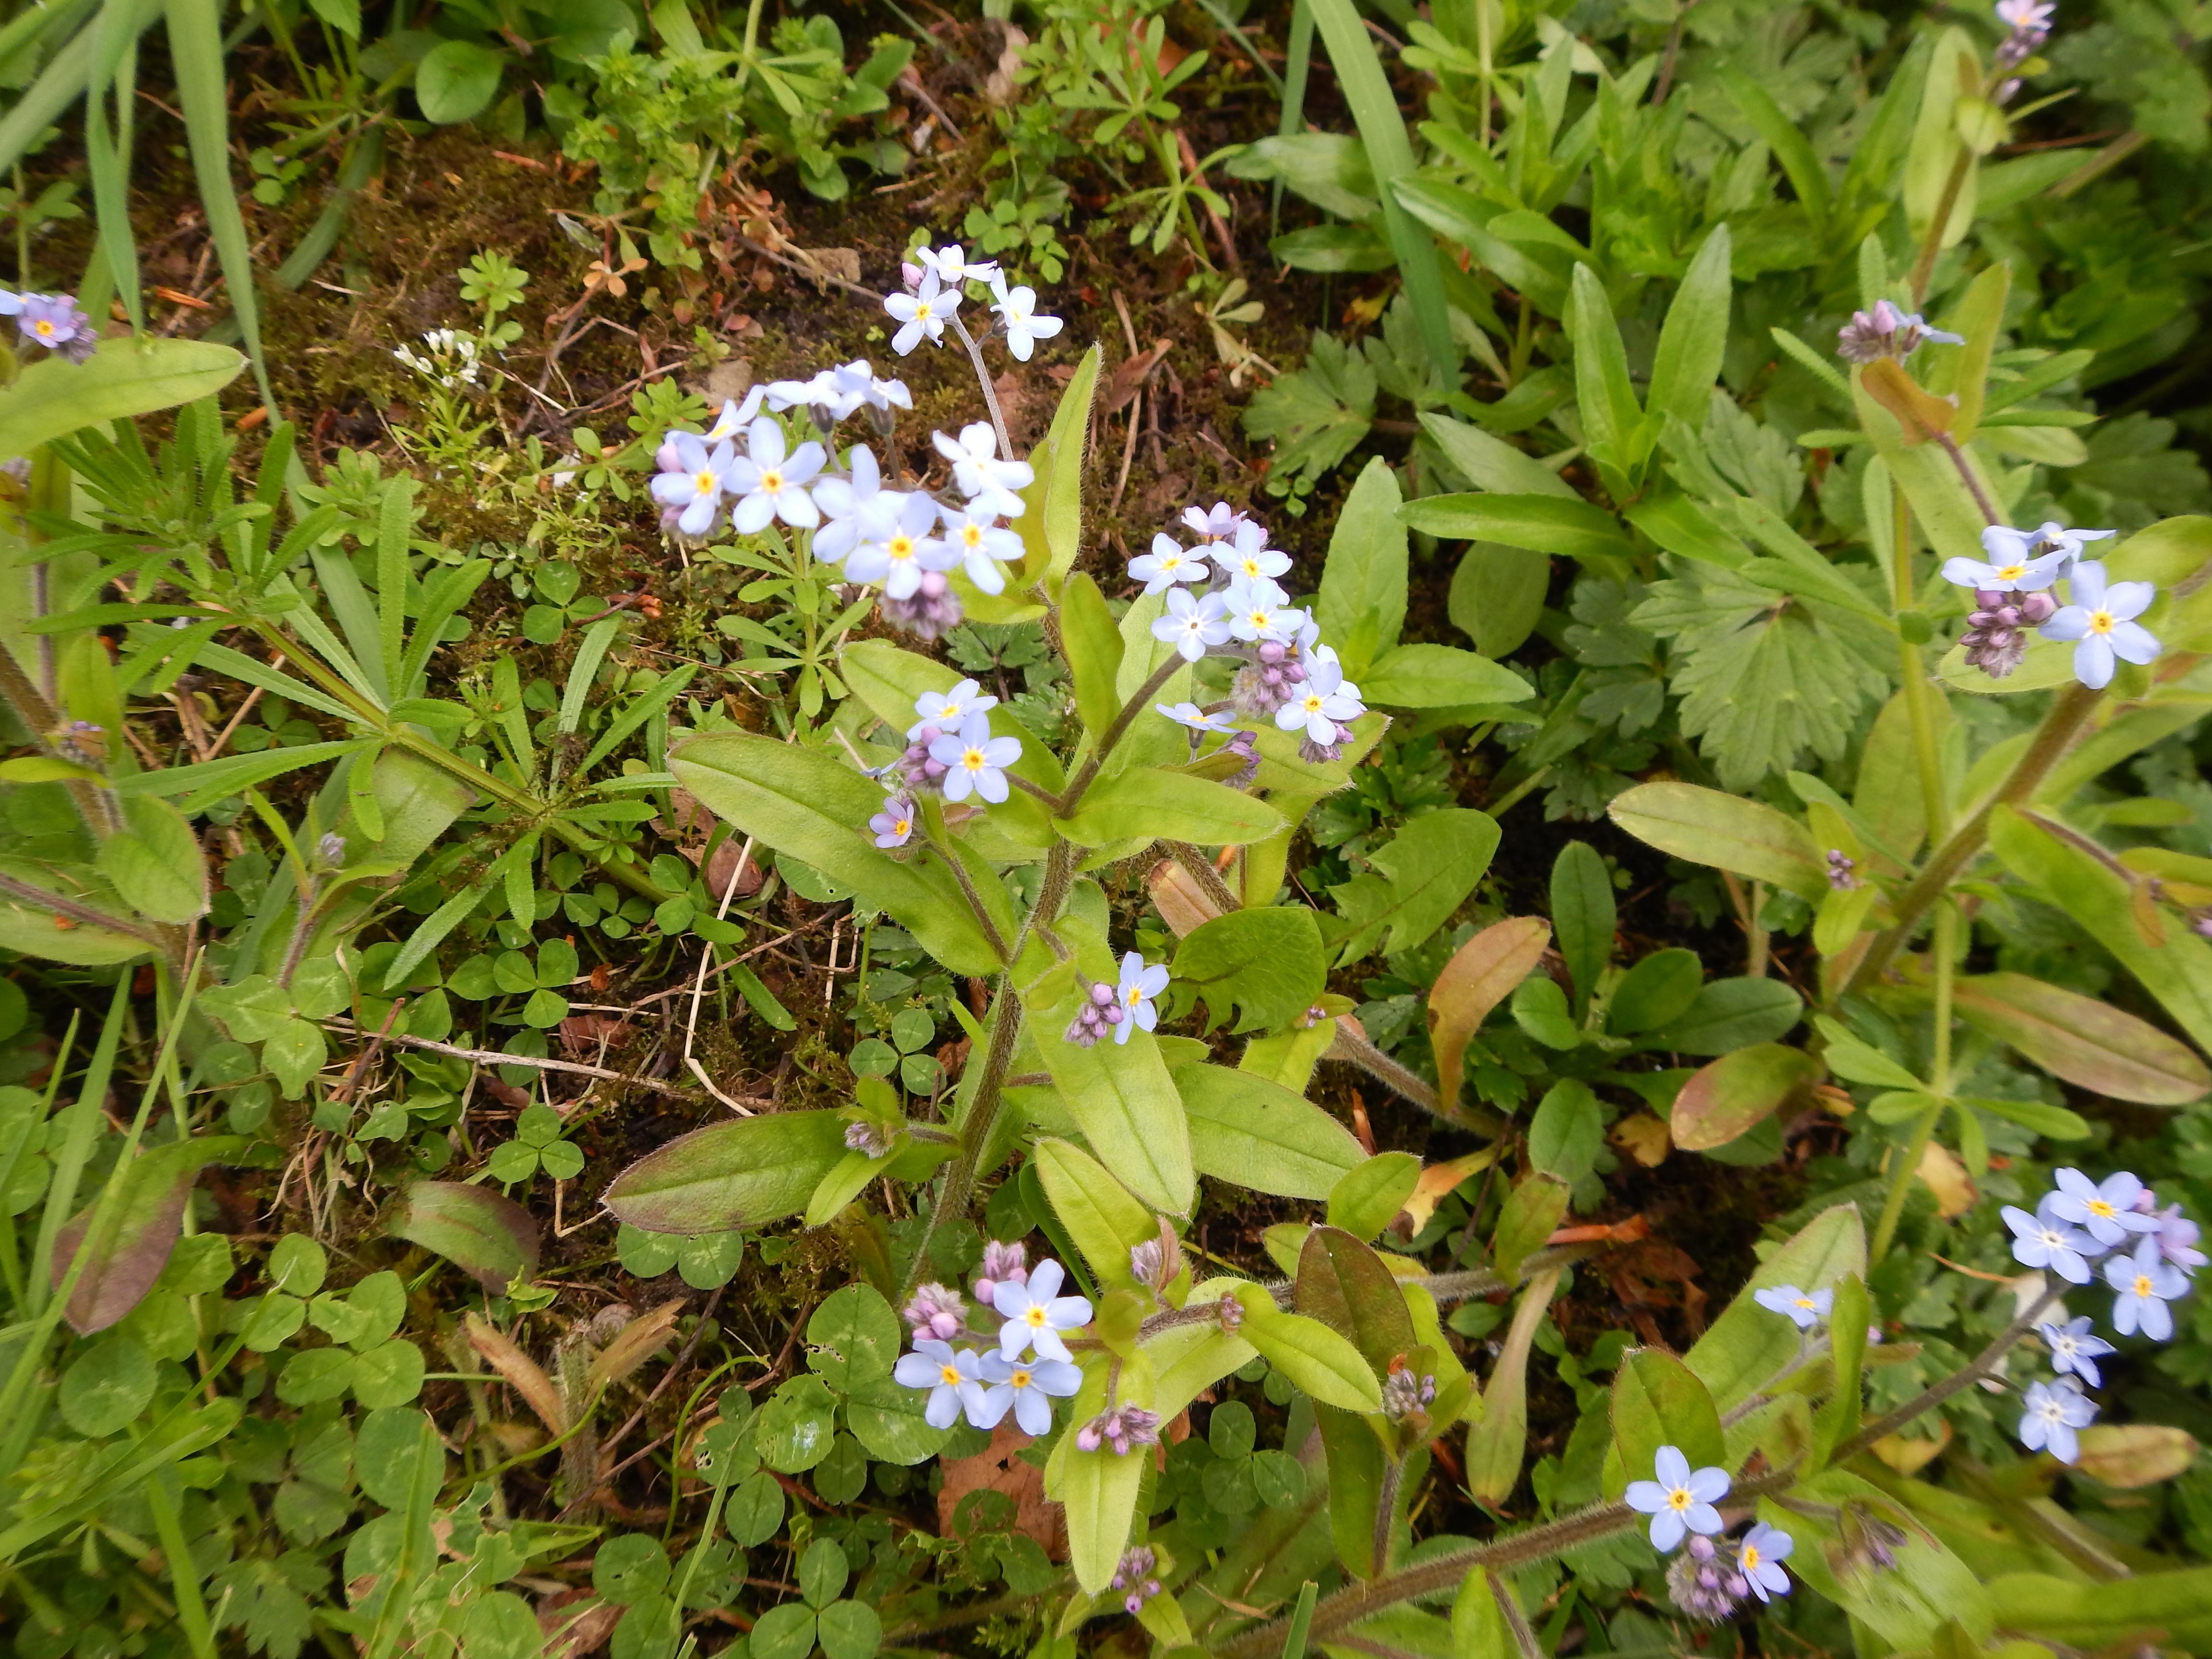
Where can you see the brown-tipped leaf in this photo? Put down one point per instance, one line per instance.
(1481, 974)
(1739, 1092)
(2090, 1044)
(1346, 1286)
(742, 1174)
(522, 1373)
(144, 1225)
(490, 1237)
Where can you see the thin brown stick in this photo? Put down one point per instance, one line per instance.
(488, 1057)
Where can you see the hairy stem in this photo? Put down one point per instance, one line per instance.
(1200, 870)
(1988, 508)
(991, 934)
(1931, 245)
(1113, 734)
(983, 380)
(1357, 1050)
(2068, 713)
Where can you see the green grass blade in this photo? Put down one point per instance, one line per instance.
(597, 638)
(195, 54)
(107, 150)
(1297, 64)
(362, 164)
(1390, 155)
(82, 1125)
(395, 518)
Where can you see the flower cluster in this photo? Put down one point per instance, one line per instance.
(449, 359)
(949, 751)
(1030, 1366)
(1886, 332)
(935, 282)
(1119, 1008)
(51, 321)
(2029, 21)
(2012, 593)
(2149, 1255)
(1133, 1574)
(1223, 600)
(1705, 1583)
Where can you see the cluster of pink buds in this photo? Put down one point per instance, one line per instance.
(1121, 1427)
(936, 1310)
(1133, 1576)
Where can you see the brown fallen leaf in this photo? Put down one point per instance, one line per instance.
(997, 1468)
(1181, 902)
(571, 1633)
(1947, 1179)
(1482, 973)
(1644, 1138)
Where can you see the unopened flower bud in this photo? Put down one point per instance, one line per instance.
(936, 1310)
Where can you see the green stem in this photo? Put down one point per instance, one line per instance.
(1939, 1086)
(1931, 245)
(2070, 712)
(1088, 771)
(983, 380)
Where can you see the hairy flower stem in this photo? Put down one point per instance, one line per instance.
(984, 379)
(2060, 727)
(1357, 1050)
(1442, 1572)
(1200, 870)
(1113, 734)
(1931, 245)
(1988, 508)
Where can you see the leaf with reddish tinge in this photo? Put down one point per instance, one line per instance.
(1737, 1092)
(145, 1223)
(2090, 1044)
(1480, 975)
(491, 1237)
(1346, 1286)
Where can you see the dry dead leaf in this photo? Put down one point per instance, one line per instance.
(571, 1634)
(1183, 903)
(1909, 1457)
(1644, 1138)
(635, 1343)
(1482, 973)
(519, 1371)
(997, 1468)
(1947, 1179)
(1440, 1180)
(2130, 1455)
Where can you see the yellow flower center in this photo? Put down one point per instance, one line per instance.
(1748, 1555)
(2101, 621)
(1133, 995)
(1313, 702)
(1019, 1379)
(703, 482)
(1807, 1302)
(902, 826)
(1035, 1318)
(1262, 618)
(973, 535)
(2142, 1283)
(1679, 1498)
(921, 310)
(1170, 561)
(2098, 1207)
(951, 1374)
(973, 760)
(44, 328)
(2012, 573)
(900, 546)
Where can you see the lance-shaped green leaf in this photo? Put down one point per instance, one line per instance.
(1610, 412)
(1093, 648)
(1100, 1216)
(814, 808)
(1724, 831)
(1251, 1131)
(2178, 972)
(1679, 526)
(1692, 341)
(123, 379)
(1362, 606)
(155, 864)
(2172, 1607)
(1784, 137)
(1312, 1356)
(1748, 1346)
(1496, 1442)
(485, 1234)
(1439, 676)
(1147, 802)
(1120, 1096)
(1481, 974)
(1058, 492)
(1737, 1092)
(1098, 1489)
(1367, 1198)
(1342, 1283)
(1657, 1400)
(1909, 1604)
(2090, 1044)
(1528, 1216)
(124, 1265)
(1838, 1419)
(1542, 524)
(729, 1176)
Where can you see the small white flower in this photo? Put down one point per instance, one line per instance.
(954, 1381)
(1036, 1313)
(859, 508)
(1219, 523)
(1804, 1309)
(2029, 16)
(1250, 557)
(2043, 1240)
(1259, 610)
(1194, 622)
(2074, 1349)
(2101, 622)
(922, 314)
(1027, 1387)
(1139, 986)
(1168, 563)
(1018, 313)
(897, 557)
(983, 544)
(1324, 701)
(797, 394)
(700, 484)
(736, 417)
(1190, 714)
(986, 480)
(976, 763)
(854, 384)
(771, 483)
(951, 266)
(949, 710)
